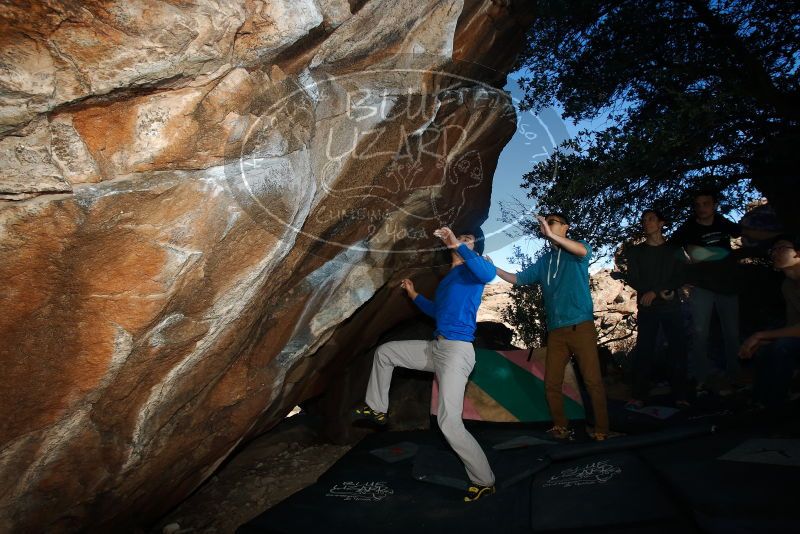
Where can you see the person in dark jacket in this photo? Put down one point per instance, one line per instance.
(706, 238)
(655, 270)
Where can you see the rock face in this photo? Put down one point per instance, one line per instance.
(495, 298)
(205, 208)
(615, 311)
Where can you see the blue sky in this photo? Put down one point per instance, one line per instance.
(534, 140)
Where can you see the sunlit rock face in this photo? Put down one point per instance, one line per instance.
(614, 310)
(205, 208)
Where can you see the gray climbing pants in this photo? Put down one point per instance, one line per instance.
(452, 362)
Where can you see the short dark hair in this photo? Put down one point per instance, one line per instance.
(707, 192)
(655, 212)
(560, 214)
(477, 233)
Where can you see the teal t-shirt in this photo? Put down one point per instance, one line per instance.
(564, 278)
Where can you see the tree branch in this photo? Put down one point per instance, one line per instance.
(753, 75)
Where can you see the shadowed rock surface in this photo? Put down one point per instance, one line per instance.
(205, 208)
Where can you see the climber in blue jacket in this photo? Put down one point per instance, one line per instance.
(450, 354)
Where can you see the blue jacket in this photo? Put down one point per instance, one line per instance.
(455, 306)
(564, 278)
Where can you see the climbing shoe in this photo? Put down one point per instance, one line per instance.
(478, 492)
(562, 433)
(368, 415)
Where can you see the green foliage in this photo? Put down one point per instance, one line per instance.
(525, 312)
(693, 94)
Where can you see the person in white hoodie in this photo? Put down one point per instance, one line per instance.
(563, 273)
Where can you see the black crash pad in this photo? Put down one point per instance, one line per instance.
(362, 493)
(598, 491)
(396, 452)
(724, 493)
(711, 483)
(510, 465)
(569, 451)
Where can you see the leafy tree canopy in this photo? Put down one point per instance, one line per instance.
(694, 93)
(525, 310)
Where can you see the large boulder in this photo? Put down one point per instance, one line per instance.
(205, 208)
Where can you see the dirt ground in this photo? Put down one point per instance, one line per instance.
(263, 473)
